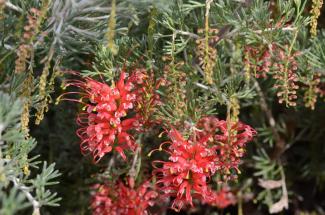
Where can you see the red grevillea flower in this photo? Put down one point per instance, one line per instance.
(186, 175)
(214, 145)
(229, 140)
(120, 199)
(105, 123)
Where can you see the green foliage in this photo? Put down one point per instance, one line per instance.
(17, 184)
(163, 36)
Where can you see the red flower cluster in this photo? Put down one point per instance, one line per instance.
(106, 122)
(275, 61)
(120, 199)
(193, 161)
(228, 140)
(110, 116)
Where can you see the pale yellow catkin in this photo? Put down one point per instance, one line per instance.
(315, 13)
(111, 29)
(27, 96)
(312, 92)
(42, 93)
(209, 52)
(2, 5)
(235, 109)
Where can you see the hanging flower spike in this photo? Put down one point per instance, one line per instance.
(185, 176)
(104, 122)
(148, 98)
(315, 13)
(312, 90)
(120, 199)
(259, 61)
(286, 76)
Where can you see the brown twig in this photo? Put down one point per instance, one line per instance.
(279, 142)
(133, 170)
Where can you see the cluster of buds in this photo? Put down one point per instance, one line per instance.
(206, 52)
(312, 91)
(31, 31)
(120, 199)
(259, 61)
(211, 147)
(321, 87)
(24, 50)
(106, 120)
(175, 81)
(234, 109)
(148, 99)
(2, 6)
(285, 67)
(282, 66)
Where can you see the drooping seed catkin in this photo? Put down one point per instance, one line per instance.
(315, 13)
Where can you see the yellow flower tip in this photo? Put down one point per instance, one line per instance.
(160, 135)
(26, 170)
(241, 150)
(188, 175)
(238, 171)
(57, 101)
(209, 80)
(2, 177)
(160, 148)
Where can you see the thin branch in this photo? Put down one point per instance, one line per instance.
(133, 170)
(205, 87)
(36, 205)
(289, 28)
(279, 142)
(13, 7)
(186, 33)
(110, 164)
(199, 69)
(91, 19)
(9, 47)
(212, 89)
